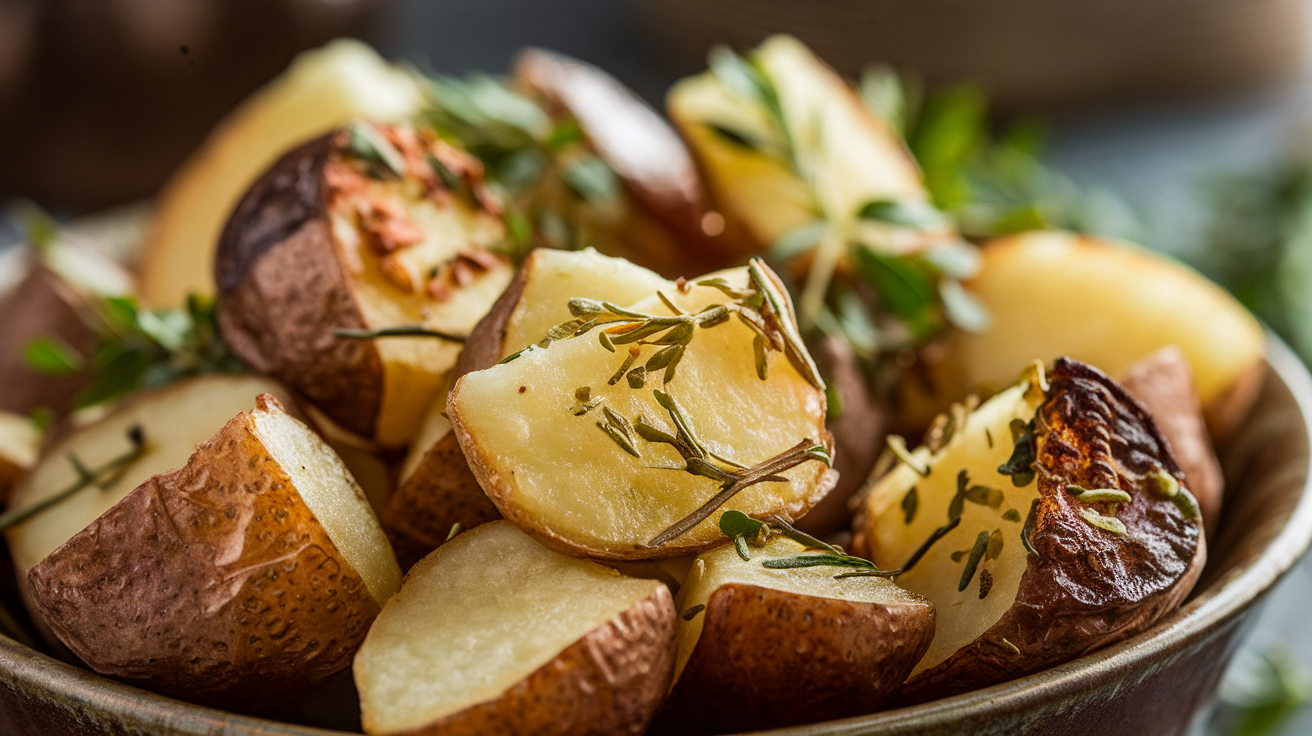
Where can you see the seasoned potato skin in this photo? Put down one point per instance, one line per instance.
(611, 681)
(213, 583)
(1097, 436)
(442, 491)
(282, 290)
(770, 658)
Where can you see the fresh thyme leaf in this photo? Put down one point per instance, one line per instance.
(934, 536)
(591, 179)
(372, 148)
(1099, 495)
(1106, 523)
(898, 446)
(976, 554)
(619, 430)
(910, 503)
(1020, 466)
(637, 377)
(735, 523)
(797, 241)
(1011, 515)
(824, 559)
(401, 331)
(734, 137)
(53, 356)
(801, 537)
(762, 358)
(964, 310)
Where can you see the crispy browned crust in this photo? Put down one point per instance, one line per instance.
(611, 681)
(769, 658)
(213, 583)
(282, 292)
(42, 305)
(440, 493)
(1086, 588)
(1164, 383)
(858, 432)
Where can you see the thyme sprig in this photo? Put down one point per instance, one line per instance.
(103, 477)
(400, 331)
(744, 531)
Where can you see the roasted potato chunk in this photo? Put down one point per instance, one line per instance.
(494, 634)
(252, 572)
(1048, 523)
(843, 645)
(371, 227)
(610, 450)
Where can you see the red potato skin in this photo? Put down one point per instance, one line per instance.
(609, 683)
(213, 583)
(42, 305)
(768, 658)
(1086, 588)
(283, 290)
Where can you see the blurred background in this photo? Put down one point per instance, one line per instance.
(1181, 124)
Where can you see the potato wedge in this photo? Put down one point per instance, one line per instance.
(173, 421)
(1165, 385)
(762, 648)
(20, 441)
(252, 572)
(437, 489)
(850, 154)
(1056, 523)
(360, 230)
(321, 89)
(657, 170)
(1055, 293)
(592, 464)
(42, 305)
(494, 634)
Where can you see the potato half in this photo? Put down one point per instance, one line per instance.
(1057, 523)
(761, 648)
(252, 572)
(852, 156)
(494, 634)
(1056, 293)
(368, 228)
(173, 421)
(544, 433)
(321, 89)
(437, 488)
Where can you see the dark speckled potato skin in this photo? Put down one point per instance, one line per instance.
(213, 583)
(609, 683)
(441, 492)
(1086, 588)
(769, 658)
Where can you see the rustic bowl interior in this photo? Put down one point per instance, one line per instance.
(1153, 683)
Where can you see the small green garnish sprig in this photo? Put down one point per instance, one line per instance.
(744, 530)
(103, 477)
(731, 476)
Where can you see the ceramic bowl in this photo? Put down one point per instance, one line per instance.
(1154, 683)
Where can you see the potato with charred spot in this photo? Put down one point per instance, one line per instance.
(368, 228)
(1048, 523)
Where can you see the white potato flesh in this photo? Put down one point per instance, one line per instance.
(174, 420)
(332, 495)
(19, 441)
(556, 276)
(1105, 303)
(321, 89)
(984, 444)
(853, 155)
(562, 477)
(475, 618)
(722, 566)
(414, 369)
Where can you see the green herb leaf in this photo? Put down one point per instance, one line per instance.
(53, 357)
(592, 179)
(817, 560)
(916, 214)
(1020, 466)
(798, 240)
(400, 331)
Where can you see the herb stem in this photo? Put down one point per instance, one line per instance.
(402, 331)
(85, 479)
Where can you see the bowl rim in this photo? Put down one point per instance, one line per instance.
(38, 676)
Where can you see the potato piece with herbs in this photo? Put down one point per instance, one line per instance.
(437, 489)
(495, 634)
(250, 573)
(768, 642)
(623, 437)
(1048, 523)
(368, 229)
(754, 123)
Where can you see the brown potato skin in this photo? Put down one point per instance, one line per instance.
(1164, 383)
(283, 290)
(1086, 588)
(611, 681)
(769, 658)
(442, 491)
(212, 583)
(486, 342)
